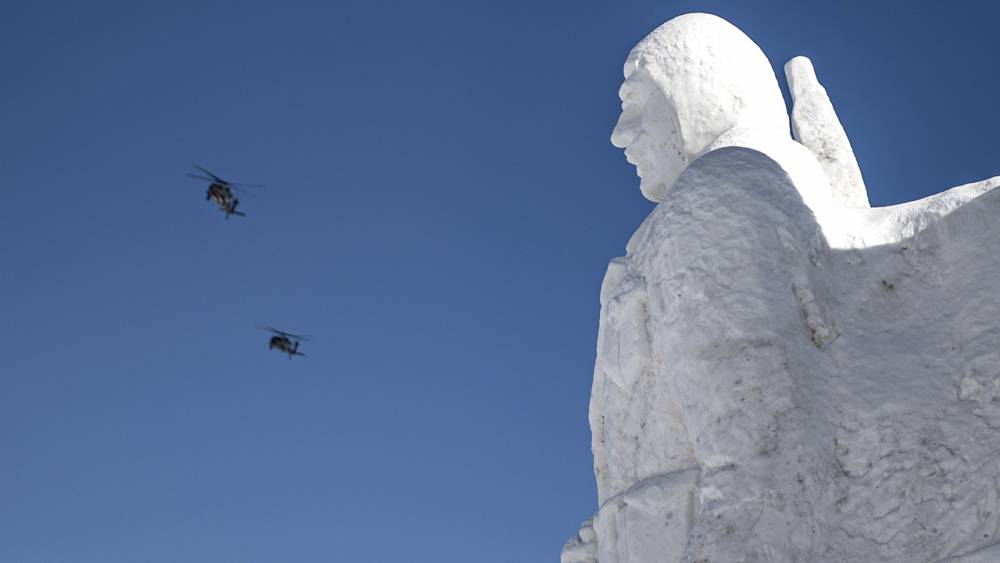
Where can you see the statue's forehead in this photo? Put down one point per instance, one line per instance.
(636, 87)
(691, 41)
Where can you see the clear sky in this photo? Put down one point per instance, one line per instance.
(441, 202)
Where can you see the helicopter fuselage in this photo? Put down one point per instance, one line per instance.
(220, 193)
(285, 344)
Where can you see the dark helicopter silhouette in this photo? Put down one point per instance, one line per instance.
(221, 192)
(285, 341)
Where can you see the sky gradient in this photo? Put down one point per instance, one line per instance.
(441, 202)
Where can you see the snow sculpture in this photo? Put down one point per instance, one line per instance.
(816, 126)
(783, 373)
(687, 83)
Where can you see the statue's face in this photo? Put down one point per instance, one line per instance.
(649, 130)
(686, 84)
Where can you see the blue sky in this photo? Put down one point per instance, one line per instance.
(441, 202)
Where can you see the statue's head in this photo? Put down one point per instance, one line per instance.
(688, 82)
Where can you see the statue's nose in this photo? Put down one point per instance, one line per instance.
(625, 130)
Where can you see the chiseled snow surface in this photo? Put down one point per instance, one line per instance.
(780, 375)
(682, 91)
(815, 125)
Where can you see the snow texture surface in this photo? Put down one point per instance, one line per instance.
(815, 125)
(784, 373)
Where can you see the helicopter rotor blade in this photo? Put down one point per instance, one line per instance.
(206, 178)
(214, 177)
(242, 190)
(283, 333)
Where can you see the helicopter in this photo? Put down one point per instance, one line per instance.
(284, 341)
(221, 191)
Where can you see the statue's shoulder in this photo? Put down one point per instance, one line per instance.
(735, 174)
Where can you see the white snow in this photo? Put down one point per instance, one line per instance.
(672, 109)
(815, 125)
(784, 374)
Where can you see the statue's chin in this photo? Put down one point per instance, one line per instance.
(654, 187)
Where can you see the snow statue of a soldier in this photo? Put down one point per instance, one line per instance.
(740, 344)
